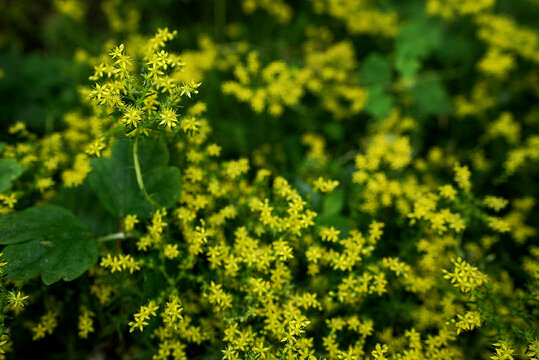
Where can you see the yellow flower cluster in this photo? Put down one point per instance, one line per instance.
(498, 224)
(77, 175)
(505, 127)
(277, 8)
(143, 315)
(129, 222)
(259, 273)
(7, 202)
(270, 88)
(462, 177)
(46, 325)
(504, 351)
(468, 321)
(383, 152)
(86, 323)
(121, 16)
(120, 263)
(481, 99)
(525, 154)
(172, 314)
(327, 73)
(425, 208)
(495, 203)
(497, 63)
(453, 8)
(74, 9)
(331, 72)
(465, 277)
(503, 33)
(324, 185)
(138, 102)
(360, 17)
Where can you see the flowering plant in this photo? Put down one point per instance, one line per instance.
(381, 206)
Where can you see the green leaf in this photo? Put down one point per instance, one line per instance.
(10, 170)
(375, 69)
(164, 185)
(333, 203)
(152, 284)
(2, 146)
(47, 240)
(84, 204)
(418, 38)
(152, 154)
(334, 130)
(337, 221)
(114, 179)
(407, 66)
(379, 103)
(430, 96)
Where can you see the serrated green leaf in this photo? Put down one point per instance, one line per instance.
(114, 179)
(379, 103)
(375, 69)
(47, 240)
(10, 170)
(430, 96)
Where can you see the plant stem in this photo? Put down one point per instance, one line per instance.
(109, 237)
(138, 173)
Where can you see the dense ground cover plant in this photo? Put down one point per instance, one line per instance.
(270, 180)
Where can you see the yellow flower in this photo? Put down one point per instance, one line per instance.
(117, 52)
(504, 351)
(495, 203)
(120, 262)
(172, 314)
(143, 315)
(190, 123)
(229, 353)
(469, 321)
(213, 150)
(498, 224)
(95, 147)
(324, 185)
(462, 177)
(46, 325)
(16, 301)
(86, 323)
(329, 234)
(379, 352)
(168, 118)
(448, 192)
(189, 88)
(132, 116)
(171, 251)
(130, 221)
(465, 277)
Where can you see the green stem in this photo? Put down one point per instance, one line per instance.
(138, 173)
(120, 235)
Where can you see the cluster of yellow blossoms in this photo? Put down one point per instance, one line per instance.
(248, 263)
